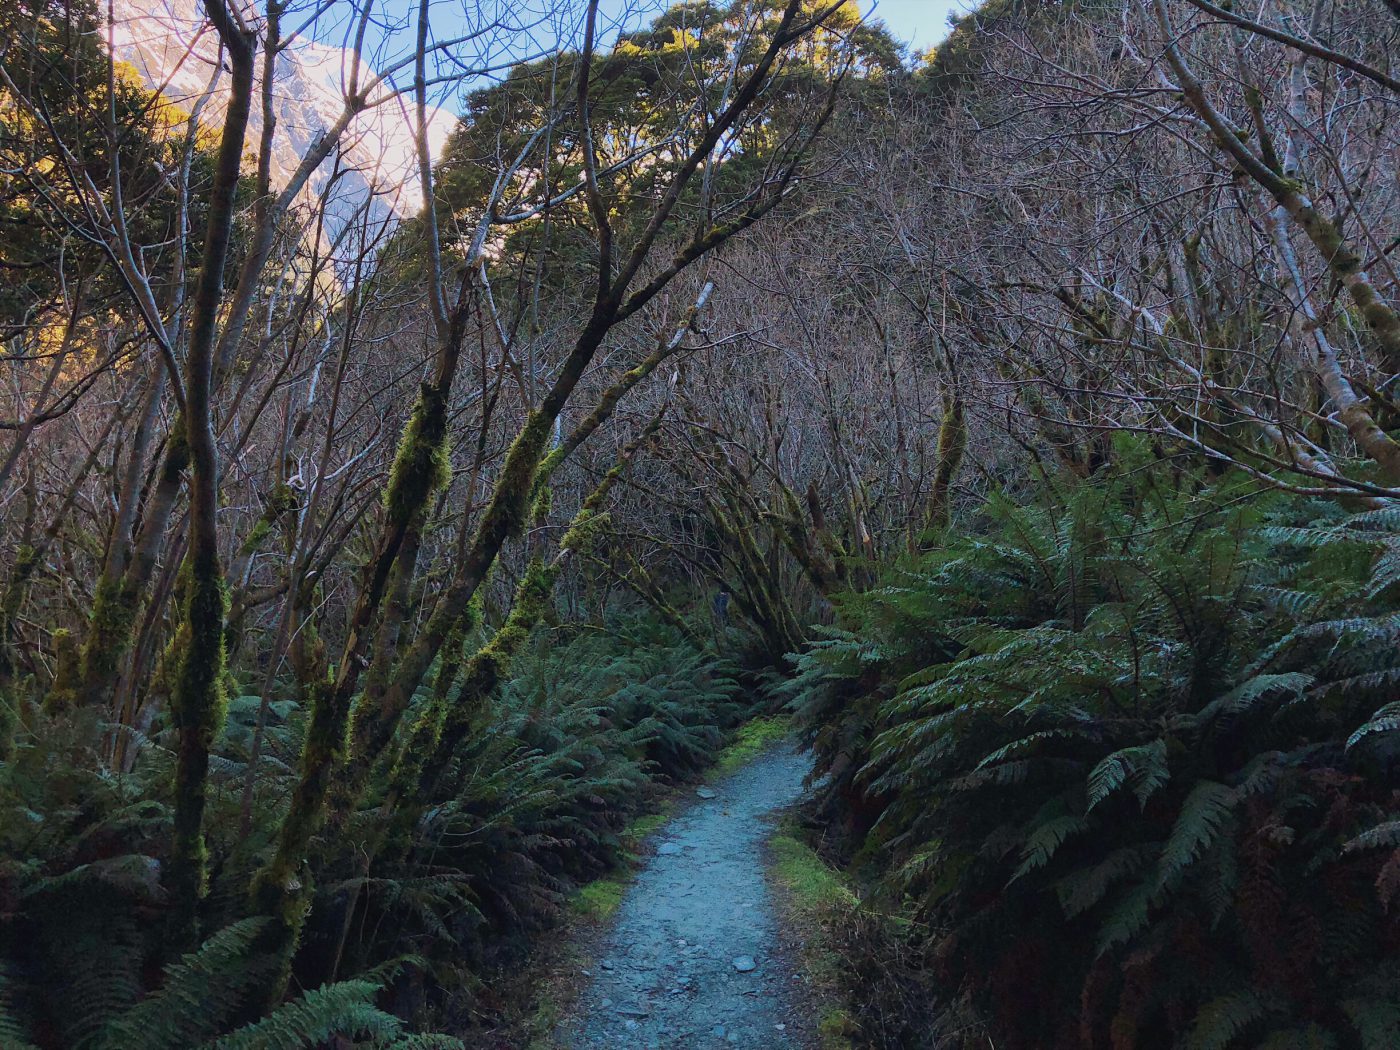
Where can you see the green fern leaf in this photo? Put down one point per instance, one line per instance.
(1261, 687)
(1382, 836)
(1203, 816)
(13, 1035)
(1128, 918)
(1048, 836)
(1144, 766)
(1082, 890)
(1311, 1037)
(1386, 720)
(1223, 1020)
(200, 993)
(343, 1009)
(1376, 1020)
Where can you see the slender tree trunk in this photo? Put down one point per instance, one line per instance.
(1342, 260)
(948, 457)
(196, 703)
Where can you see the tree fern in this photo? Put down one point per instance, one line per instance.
(1376, 1020)
(1303, 1037)
(1053, 827)
(1128, 917)
(13, 1032)
(1082, 890)
(1385, 720)
(1382, 836)
(1165, 646)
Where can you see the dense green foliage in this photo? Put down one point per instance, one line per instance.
(1129, 755)
(532, 806)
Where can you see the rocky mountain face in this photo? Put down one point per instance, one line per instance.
(172, 48)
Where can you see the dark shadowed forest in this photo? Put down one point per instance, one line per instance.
(1015, 423)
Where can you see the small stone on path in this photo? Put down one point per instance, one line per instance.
(707, 793)
(745, 963)
(669, 849)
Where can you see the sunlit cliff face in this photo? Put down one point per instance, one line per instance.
(167, 42)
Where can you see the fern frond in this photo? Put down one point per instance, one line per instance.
(1047, 837)
(1204, 814)
(1144, 766)
(1128, 918)
(1385, 720)
(199, 994)
(1084, 889)
(342, 1009)
(1309, 1037)
(13, 1033)
(1376, 1020)
(1225, 1019)
(1382, 836)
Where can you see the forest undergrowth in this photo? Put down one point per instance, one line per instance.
(430, 435)
(1119, 767)
(577, 744)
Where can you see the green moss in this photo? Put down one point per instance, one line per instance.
(836, 1029)
(644, 826)
(750, 740)
(109, 635)
(552, 460)
(583, 534)
(813, 885)
(544, 503)
(282, 500)
(599, 900)
(197, 706)
(63, 688)
(812, 893)
(421, 465)
(26, 558)
(443, 725)
(9, 722)
(514, 493)
(256, 537)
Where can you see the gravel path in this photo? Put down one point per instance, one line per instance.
(694, 959)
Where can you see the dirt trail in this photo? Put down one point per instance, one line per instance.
(673, 973)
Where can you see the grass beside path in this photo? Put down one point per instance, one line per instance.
(597, 901)
(750, 740)
(811, 897)
(590, 906)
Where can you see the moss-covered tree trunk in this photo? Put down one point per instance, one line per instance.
(948, 457)
(117, 600)
(196, 702)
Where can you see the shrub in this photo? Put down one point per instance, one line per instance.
(1131, 756)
